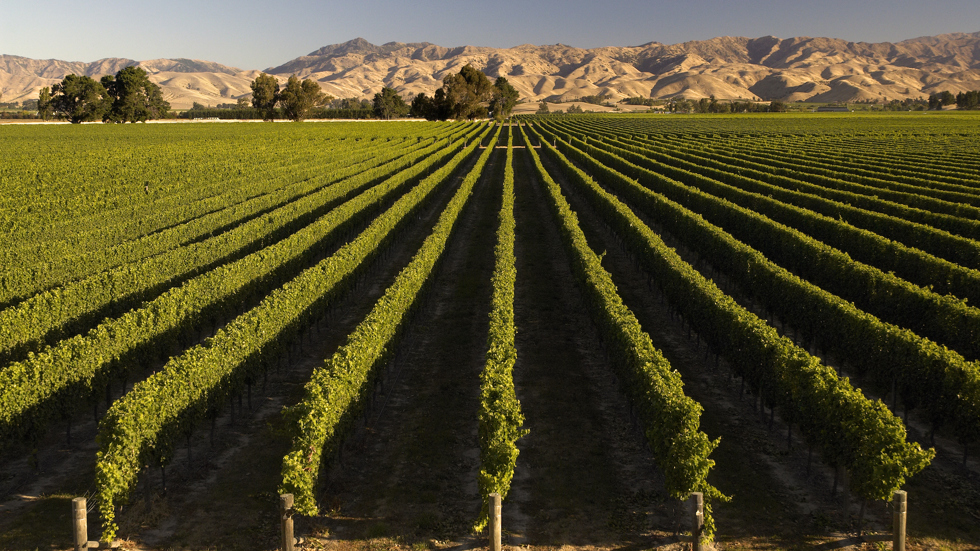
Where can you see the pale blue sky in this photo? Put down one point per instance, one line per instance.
(250, 34)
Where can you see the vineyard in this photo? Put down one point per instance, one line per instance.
(591, 315)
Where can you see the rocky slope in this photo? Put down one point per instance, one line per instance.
(814, 69)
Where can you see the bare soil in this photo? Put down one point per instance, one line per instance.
(782, 497)
(406, 480)
(223, 493)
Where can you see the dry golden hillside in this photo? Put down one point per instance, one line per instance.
(767, 68)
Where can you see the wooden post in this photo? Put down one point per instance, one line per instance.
(286, 517)
(80, 519)
(495, 510)
(697, 519)
(900, 508)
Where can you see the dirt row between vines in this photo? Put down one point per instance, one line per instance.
(224, 492)
(783, 499)
(585, 478)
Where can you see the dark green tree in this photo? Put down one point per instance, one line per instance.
(134, 97)
(466, 92)
(159, 108)
(351, 103)
(542, 109)
(503, 98)
(388, 104)
(80, 99)
(297, 98)
(44, 108)
(968, 100)
(265, 95)
(441, 104)
(423, 107)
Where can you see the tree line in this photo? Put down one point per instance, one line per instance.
(129, 96)
(963, 100)
(467, 95)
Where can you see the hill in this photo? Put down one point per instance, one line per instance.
(766, 68)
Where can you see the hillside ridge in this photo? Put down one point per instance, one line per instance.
(728, 67)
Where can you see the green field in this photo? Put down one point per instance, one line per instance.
(594, 315)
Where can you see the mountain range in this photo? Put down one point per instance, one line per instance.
(766, 68)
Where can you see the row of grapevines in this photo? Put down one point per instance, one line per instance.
(848, 429)
(908, 191)
(898, 168)
(961, 250)
(670, 417)
(925, 373)
(147, 421)
(843, 155)
(51, 383)
(941, 318)
(798, 188)
(500, 411)
(84, 179)
(335, 395)
(126, 219)
(916, 266)
(949, 212)
(41, 268)
(69, 310)
(92, 185)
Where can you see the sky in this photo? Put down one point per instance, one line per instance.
(252, 34)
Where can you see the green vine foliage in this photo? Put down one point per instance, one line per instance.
(914, 265)
(500, 417)
(104, 224)
(848, 429)
(925, 373)
(945, 319)
(185, 249)
(335, 395)
(143, 426)
(53, 383)
(671, 418)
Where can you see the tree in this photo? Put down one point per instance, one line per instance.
(441, 104)
(423, 107)
(466, 91)
(968, 100)
(388, 104)
(157, 106)
(243, 103)
(265, 95)
(80, 99)
(134, 97)
(297, 98)
(44, 109)
(542, 109)
(777, 106)
(503, 98)
(351, 103)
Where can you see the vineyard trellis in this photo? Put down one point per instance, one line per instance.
(179, 280)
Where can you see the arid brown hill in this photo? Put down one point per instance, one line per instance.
(815, 69)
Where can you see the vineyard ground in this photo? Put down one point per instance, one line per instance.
(584, 480)
(778, 505)
(202, 505)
